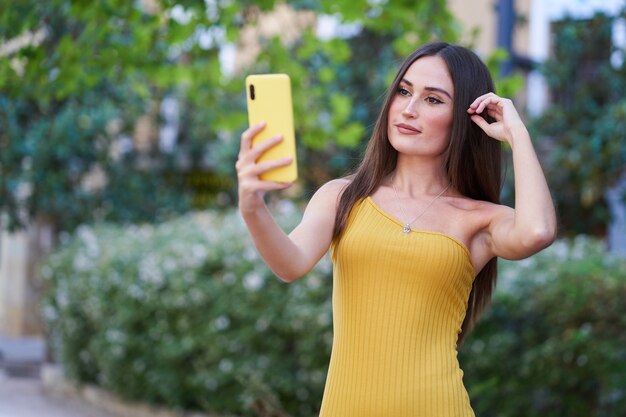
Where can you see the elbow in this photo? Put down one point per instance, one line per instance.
(292, 271)
(288, 276)
(540, 238)
(292, 267)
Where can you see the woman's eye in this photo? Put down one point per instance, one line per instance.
(433, 100)
(403, 91)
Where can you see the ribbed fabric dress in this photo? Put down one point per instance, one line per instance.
(398, 304)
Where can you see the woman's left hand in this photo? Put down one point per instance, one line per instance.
(507, 120)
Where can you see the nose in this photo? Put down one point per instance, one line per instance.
(411, 109)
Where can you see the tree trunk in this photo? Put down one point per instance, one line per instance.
(615, 197)
(21, 253)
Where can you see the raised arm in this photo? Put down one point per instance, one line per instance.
(531, 226)
(288, 256)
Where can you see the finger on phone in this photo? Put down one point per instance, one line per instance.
(265, 166)
(250, 133)
(267, 144)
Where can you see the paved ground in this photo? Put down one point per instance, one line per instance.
(24, 397)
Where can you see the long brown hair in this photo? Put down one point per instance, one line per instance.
(472, 160)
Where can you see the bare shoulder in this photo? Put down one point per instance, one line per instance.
(319, 216)
(483, 211)
(326, 199)
(490, 212)
(329, 193)
(335, 186)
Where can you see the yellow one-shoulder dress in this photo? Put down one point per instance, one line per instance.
(398, 304)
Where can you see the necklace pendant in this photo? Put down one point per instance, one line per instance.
(406, 228)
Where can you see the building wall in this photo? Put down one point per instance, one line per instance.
(20, 286)
(477, 18)
(542, 14)
(481, 16)
(531, 35)
(13, 283)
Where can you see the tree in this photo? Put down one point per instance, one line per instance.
(583, 129)
(82, 83)
(70, 102)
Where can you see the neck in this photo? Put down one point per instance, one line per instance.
(419, 177)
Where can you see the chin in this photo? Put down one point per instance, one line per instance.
(416, 149)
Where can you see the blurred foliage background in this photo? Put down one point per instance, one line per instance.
(120, 121)
(81, 104)
(184, 313)
(583, 132)
(90, 94)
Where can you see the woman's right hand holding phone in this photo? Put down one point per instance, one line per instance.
(251, 187)
(288, 256)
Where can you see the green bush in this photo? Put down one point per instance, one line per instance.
(553, 342)
(186, 315)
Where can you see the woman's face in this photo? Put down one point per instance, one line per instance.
(420, 115)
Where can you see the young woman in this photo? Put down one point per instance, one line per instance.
(414, 232)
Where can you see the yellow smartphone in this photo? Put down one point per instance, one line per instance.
(269, 101)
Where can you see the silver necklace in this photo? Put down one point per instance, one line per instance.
(407, 226)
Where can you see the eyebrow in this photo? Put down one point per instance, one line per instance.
(437, 89)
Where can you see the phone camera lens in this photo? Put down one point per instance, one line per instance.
(252, 92)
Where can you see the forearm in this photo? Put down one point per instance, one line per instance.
(289, 257)
(278, 251)
(535, 218)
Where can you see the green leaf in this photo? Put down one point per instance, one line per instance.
(341, 107)
(350, 135)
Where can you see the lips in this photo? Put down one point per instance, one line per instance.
(407, 129)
